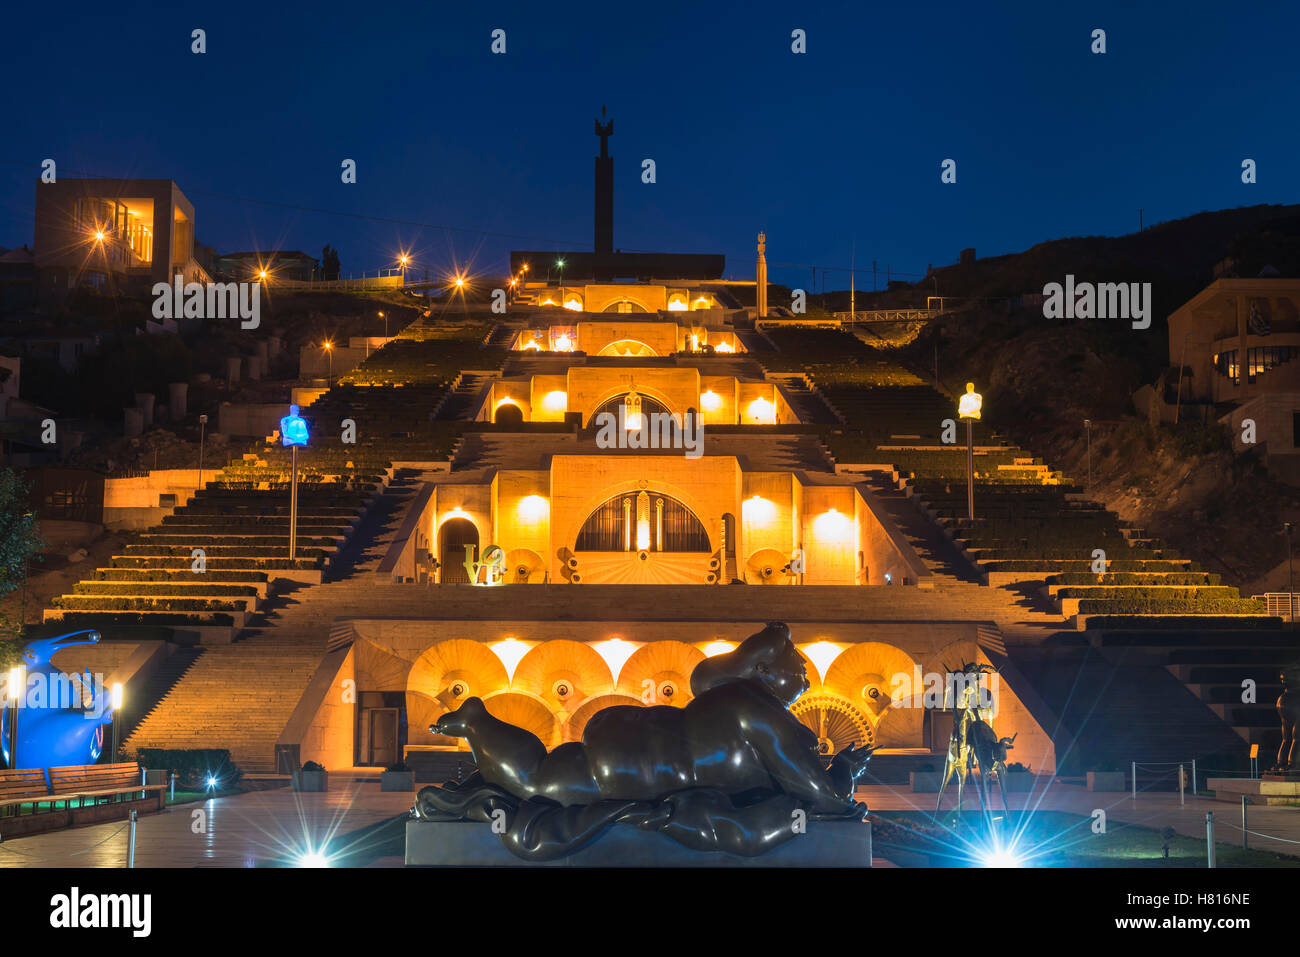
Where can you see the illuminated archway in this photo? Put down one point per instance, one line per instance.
(625, 306)
(649, 405)
(507, 413)
(633, 348)
(643, 520)
(453, 535)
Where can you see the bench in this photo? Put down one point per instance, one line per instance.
(94, 782)
(23, 786)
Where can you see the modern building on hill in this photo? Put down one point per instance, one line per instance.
(115, 235)
(282, 264)
(1237, 342)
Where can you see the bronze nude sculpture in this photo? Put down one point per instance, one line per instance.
(1288, 712)
(732, 771)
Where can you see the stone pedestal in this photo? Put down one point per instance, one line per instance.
(1270, 789)
(467, 844)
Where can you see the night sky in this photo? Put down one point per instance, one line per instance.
(840, 144)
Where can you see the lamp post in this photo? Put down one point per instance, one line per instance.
(203, 425)
(1290, 581)
(403, 260)
(385, 318)
(117, 711)
(1087, 426)
(293, 433)
(329, 351)
(968, 408)
(16, 681)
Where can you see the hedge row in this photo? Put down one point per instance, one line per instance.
(1135, 578)
(174, 588)
(213, 564)
(128, 620)
(1173, 606)
(222, 551)
(75, 603)
(168, 575)
(1075, 565)
(1135, 592)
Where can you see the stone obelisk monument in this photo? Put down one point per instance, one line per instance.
(760, 277)
(604, 239)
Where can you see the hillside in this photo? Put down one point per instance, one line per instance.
(1042, 378)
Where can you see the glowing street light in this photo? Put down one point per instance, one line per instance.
(403, 260)
(203, 425)
(968, 408)
(17, 680)
(293, 433)
(385, 318)
(99, 235)
(116, 698)
(328, 346)
(261, 274)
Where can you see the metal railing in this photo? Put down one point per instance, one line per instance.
(1280, 603)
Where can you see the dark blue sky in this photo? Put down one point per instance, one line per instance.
(842, 143)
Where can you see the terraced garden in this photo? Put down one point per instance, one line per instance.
(1031, 523)
(214, 561)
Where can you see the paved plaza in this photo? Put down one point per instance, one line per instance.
(262, 827)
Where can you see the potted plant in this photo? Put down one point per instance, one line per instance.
(311, 777)
(925, 779)
(1020, 777)
(397, 777)
(1106, 777)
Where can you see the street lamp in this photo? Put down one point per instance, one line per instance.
(1290, 581)
(1087, 425)
(15, 687)
(203, 425)
(117, 710)
(328, 346)
(293, 433)
(968, 408)
(403, 259)
(385, 318)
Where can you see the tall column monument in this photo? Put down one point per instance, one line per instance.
(604, 190)
(760, 277)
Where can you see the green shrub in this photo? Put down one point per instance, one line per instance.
(193, 766)
(77, 603)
